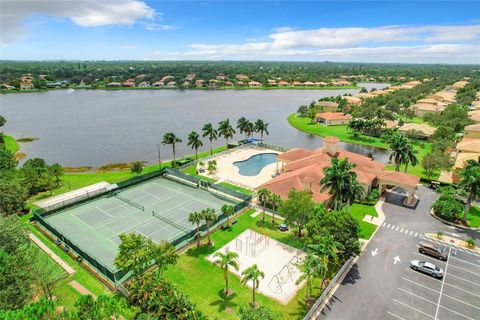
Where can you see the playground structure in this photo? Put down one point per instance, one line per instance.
(285, 275)
(253, 244)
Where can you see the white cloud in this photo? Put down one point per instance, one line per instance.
(423, 44)
(129, 46)
(83, 13)
(153, 26)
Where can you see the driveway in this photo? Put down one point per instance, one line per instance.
(382, 286)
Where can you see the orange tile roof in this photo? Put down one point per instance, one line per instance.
(333, 116)
(400, 177)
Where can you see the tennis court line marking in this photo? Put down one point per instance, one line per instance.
(114, 219)
(108, 214)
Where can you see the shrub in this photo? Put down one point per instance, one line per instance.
(373, 196)
(470, 242)
(447, 207)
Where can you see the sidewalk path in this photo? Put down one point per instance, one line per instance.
(52, 254)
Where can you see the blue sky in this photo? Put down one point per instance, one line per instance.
(359, 31)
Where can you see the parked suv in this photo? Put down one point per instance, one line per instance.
(433, 251)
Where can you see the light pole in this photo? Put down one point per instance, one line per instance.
(159, 160)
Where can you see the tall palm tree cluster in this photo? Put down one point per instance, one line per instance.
(341, 183)
(265, 197)
(225, 130)
(207, 217)
(402, 152)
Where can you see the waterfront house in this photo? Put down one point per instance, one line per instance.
(272, 82)
(352, 100)
(199, 83)
(474, 115)
(341, 83)
(186, 84)
(297, 84)
(332, 118)
(472, 131)
(254, 84)
(172, 84)
(221, 77)
(129, 83)
(303, 169)
(190, 77)
(327, 106)
(158, 84)
(169, 77)
(114, 84)
(144, 84)
(229, 83)
(321, 83)
(283, 83)
(309, 84)
(241, 77)
(422, 130)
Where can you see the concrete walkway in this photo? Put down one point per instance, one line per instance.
(52, 254)
(81, 289)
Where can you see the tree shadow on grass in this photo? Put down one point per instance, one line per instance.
(203, 250)
(223, 302)
(288, 237)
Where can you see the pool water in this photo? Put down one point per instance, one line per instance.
(253, 165)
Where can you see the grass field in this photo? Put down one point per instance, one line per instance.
(473, 217)
(11, 144)
(342, 132)
(204, 282)
(359, 211)
(234, 187)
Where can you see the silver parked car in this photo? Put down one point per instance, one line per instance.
(427, 267)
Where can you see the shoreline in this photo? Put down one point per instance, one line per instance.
(353, 87)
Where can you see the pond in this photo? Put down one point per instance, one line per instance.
(95, 127)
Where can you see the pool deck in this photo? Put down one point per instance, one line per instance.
(228, 172)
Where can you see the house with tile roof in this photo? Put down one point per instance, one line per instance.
(332, 118)
(472, 131)
(303, 169)
(423, 129)
(327, 106)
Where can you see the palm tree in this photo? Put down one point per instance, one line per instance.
(195, 142)
(228, 211)
(252, 274)
(409, 156)
(326, 248)
(470, 183)
(225, 261)
(249, 128)
(398, 145)
(196, 218)
(171, 138)
(275, 201)
(261, 127)
(263, 195)
(242, 124)
(340, 182)
(210, 132)
(308, 268)
(209, 216)
(226, 130)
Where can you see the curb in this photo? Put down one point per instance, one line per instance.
(451, 223)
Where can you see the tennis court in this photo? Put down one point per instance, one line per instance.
(158, 209)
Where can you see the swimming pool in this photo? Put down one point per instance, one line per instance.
(253, 165)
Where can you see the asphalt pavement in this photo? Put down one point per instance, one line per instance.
(381, 285)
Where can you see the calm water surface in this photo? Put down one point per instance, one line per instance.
(92, 128)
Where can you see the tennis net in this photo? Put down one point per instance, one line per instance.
(133, 204)
(170, 222)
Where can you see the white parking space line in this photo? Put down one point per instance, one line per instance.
(417, 296)
(465, 270)
(470, 263)
(384, 224)
(473, 294)
(401, 230)
(416, 234)
(388, 226)
(415, 309)
(441, 288)
(420, 285)
(394, 315)
(450, 274)
(406, 230)
(411, 232)
(468, 304)
(397, 229)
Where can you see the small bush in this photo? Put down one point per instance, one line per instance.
(373, 196)
(470, 242)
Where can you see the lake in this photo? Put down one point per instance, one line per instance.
(96, 127)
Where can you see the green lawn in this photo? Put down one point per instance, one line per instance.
(342, 132)
(204, 282)
(358, 211)
(11, 144)
(415, 120)
(192, 171)
(66, 295)
(473, 217)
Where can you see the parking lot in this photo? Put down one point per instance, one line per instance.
(456, 296)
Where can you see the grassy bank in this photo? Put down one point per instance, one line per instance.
(359, 211)
(342, 132)
(11, 144)
(473, 217)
